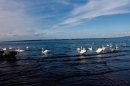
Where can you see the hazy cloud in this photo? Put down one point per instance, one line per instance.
(62, 1)
(95, 8)
(13, 19)
(28, 19)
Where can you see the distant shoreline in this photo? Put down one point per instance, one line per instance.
(63, 39)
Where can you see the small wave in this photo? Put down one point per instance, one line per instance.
(107, 55)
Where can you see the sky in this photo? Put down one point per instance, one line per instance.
(63, 19)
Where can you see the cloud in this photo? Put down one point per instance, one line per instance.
(13, 18)
(62, 1)
(16, 18)
(95, 8)
(55, 26)
(122, 33)
(23, 18)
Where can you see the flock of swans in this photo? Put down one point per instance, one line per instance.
(27, 47)
(15, 49)
(81, 50)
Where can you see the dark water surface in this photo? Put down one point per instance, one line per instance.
(64, 66)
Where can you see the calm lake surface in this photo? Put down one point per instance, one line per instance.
(32, 68)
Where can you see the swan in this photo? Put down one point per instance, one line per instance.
(110, 45)
(4, 48)
(107, 44)
(18, 50)
(10, 47)
(117, 46)
(45, 51)
(78, 49)
(103, 48)
(113, 50)
(90, 48)
(82, 51)
(99, 50)
(27, 47)
(124, 44)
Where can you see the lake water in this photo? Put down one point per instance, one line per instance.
(33, 68)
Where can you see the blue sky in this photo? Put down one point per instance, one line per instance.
(63, 19)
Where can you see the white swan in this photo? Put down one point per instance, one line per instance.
(78, 49)
(27, 47)
(113, 50)
(103, 48)
(90, 48)
(18, 50)
(82, 51)
(117, 46)
(110, 45)
(10, 47)
(45, 51)
(4, 48)
(99, 50)
(124, 44)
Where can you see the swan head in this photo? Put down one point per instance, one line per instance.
(42, 50)
(27, 47)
